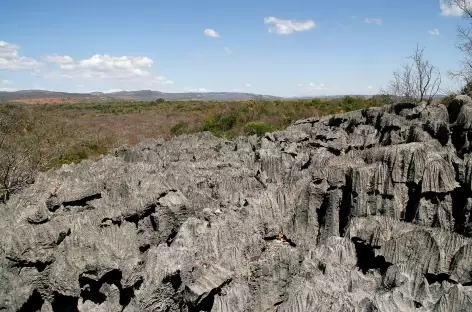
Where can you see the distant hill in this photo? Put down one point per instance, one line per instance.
(30, 96)
(42, 96)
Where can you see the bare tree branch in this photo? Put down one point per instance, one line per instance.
(416, 81)
(464, 42)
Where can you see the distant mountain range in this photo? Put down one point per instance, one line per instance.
(42, 96)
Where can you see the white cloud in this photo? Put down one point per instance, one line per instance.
(211, 33)
(434, 32)
(112, 90)
(227, 50)
(6, 82)
(8, 89)
(190, 89)
(287, 27)
(132, 68)
(317, 87)
(236, 90)
(57, 59)
(10, 58)
(116, 71)
(5, 85)
(120, 70)
(369, 87)
(105, 66)
(377, 21)
(248, 85)
(300, 85)
(453, 9)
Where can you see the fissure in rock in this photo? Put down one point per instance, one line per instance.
(63, 303)
(33, 304)
(366, 258)
(413, 204)
(91, 288)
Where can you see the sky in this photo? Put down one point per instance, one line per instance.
(276, 47)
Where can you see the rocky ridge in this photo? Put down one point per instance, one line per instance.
(363, 211)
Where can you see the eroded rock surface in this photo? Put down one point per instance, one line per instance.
(364, 211)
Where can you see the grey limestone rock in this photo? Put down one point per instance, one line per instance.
(364, 211)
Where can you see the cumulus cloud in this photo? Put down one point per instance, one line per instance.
(211, 33)
(434, 32)
(116, 69)
(57, 59)
(287, 27)
(317, 87)
(6, 85)
(377, 21)
(248, 85)
(227, 50)
(6, 89)
(105, 66)
(452, 9)
(10, 58)
(112, 90)
(119, 69)
(191, 89)
(6, 82)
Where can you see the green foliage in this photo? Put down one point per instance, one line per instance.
(258, 128)
(383, 99)
(79, 152)
(316, 102)
(180, 128)
(467, 89)
(352, 103)
(219, 125)
(446, 101)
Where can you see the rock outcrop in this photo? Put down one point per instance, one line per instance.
(363, 211)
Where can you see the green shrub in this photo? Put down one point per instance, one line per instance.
(79, 152)
(179, 129)
(219, 125)
(316, 102)
(258, 128)
(446, 101)
(467, 89)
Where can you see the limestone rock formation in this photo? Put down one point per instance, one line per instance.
(363, 211)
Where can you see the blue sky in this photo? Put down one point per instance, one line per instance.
(286, 48)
